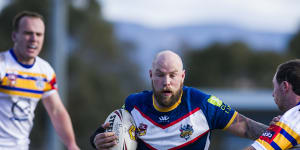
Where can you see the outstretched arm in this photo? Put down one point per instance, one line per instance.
(246, 127)
(60, 120)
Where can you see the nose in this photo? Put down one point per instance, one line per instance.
(167, 81)
(33, 37)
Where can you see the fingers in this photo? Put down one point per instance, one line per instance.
(105, 140)
(275, 119)
(106, 125)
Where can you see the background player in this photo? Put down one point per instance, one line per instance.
(25, 78)
(284, 134)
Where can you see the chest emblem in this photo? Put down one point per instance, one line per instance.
(40, 84)
(12, 79)
(142, 129)
(164, 118)
(186, 131)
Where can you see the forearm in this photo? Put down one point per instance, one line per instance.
(246, 127)
(254, 129)
(63, 127)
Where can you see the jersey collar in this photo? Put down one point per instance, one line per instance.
(15, 57)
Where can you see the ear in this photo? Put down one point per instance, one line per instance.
(286, 86)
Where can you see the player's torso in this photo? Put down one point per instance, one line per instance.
(20, 90)
(185, 127)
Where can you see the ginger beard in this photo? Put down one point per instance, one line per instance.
(167, 101)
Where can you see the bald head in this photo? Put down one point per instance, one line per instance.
(167, 58)
(167, 76)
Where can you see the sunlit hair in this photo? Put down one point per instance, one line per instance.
(22, 14)
(290, 72)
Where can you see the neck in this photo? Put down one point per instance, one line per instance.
(21, 59)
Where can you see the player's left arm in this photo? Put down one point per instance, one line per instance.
(246, 127)
(60, 120)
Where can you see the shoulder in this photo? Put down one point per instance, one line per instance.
(44, 67)
(139, 96)
(194, 94)
(40, 61)
(3, 56)
(291, 118)
(3, 63)
(138, 99)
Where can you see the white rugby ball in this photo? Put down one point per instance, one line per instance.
(122, 124)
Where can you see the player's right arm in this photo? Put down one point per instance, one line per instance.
(103, 140)
(246, 127)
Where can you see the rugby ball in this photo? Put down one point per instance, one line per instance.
(122, 124)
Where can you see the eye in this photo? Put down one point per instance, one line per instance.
(39, 34)
(159, 74)
(173, 75)
(27, 33)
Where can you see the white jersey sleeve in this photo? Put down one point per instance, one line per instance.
(285, 134)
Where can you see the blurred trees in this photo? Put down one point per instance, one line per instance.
(232, 65)
(294, 46)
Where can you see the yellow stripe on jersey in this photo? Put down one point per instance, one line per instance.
(290, 131)
(27, 84)
(25, 94)
(231, 120)
(32, 74)
(265, 144)
(282, 142)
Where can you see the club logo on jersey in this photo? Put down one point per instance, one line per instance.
(40, 84)
(142, 129)
(186, 131)
(21, 108)
(12, 79)
(270, 133)
(164, 118)
(131, 132)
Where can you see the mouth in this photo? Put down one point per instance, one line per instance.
(32, 46)
(167, 92)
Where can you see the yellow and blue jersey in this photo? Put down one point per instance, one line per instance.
(284, 134)
(186, 125)
(21, 88)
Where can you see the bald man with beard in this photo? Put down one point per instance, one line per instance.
(174, 116)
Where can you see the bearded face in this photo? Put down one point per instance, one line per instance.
(167, 97)
(167, 76)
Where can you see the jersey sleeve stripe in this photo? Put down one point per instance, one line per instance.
(275, 146)
(231, 120)
(288, 137)
(289, 131)
(282, 141)
(265, 144)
